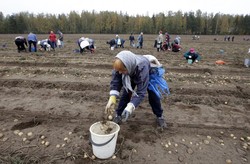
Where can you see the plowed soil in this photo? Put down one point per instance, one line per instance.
(60, 94)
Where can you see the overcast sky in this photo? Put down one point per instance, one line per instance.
(131, 7)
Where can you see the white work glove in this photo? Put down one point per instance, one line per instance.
(190, 56)
(110, 107)
(128, 111)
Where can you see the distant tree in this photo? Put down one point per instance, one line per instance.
(191, 23)
(199, 22)
(246, 25)
(169, 23)
(237, 25)
(22, 20)
(148, 26)
(74, 23)
(11, 24)
(223, 24)
(153, 20)
(113, 22)
(178, 22)
(2, 19)
(62, 22)
(160, 22)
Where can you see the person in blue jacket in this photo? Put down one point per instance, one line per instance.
(32, 40)
(140, 41)
(191, 54)
(132, 40)
(119, 42)
(143, 72)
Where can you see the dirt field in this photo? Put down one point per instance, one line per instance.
(60, 94)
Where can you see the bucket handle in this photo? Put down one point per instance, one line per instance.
(102, 144)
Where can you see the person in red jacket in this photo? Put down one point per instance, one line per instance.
(176, 47)
(52, 40)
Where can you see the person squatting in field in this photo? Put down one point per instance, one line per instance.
(143, 72)
(111, 43)
(44, 45)
(175, 46)
(117, 42)
(20, 42)
(86, 43)
(191, 54)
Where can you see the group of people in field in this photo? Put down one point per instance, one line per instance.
(133, 75)
(119, 42)
(162, 43)
(32, 42)
(83, 43)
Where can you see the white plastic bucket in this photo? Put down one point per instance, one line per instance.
(112, 48)
(103, 145)
(222, 52)
(84, 44)
(247, 62)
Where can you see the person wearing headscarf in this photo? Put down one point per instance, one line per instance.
(86, 43)
(143, 72)
(44, 44)
(159, 41)
(119, 42)
(20, 42)
(192, 55)
(60, 39)
(176, 47)
(140, 40)
(167, 41)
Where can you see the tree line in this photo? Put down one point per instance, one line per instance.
(108, 22)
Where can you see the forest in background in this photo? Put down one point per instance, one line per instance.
(108, 22)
